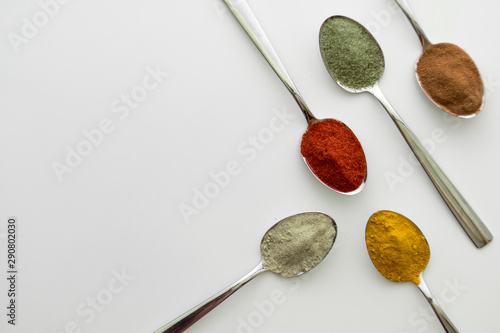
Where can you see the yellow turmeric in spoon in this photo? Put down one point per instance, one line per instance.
(397, 247)
(400, 253)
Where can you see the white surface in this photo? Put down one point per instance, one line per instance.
(118, 210)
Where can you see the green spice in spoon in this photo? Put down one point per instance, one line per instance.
(356, 62)
(350, 53)
(400, 252)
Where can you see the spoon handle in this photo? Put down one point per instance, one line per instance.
(443, 318)
(249, 22)
(183, 322)
(468, 219)
(403, 4)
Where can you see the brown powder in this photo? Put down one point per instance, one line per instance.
(451, 79)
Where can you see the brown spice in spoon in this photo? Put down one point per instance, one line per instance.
(450, 77)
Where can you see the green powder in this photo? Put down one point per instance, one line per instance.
(350, 53)
(298, 243)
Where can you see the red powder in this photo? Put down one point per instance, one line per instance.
(334, 154)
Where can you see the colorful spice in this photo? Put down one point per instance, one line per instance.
(451, 79)
(298, 243)
(351, 55)
(335, 155)
(397, 247)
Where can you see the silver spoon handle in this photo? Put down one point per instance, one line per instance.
(468, 219)
(183, 322)
(403, 4)
(443, 318)
(249, 22)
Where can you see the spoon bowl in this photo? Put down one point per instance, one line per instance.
(323, 141)
(312, 234)
(452, 68)
(355, 61)
(400, 252)
(342, 155)
(291, 247)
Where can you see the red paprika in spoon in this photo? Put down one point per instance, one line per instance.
(335, 155)
(328, 145)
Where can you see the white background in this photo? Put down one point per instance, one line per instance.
(118, 210)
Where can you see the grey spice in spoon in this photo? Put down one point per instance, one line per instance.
(291, 247)
(297, 244)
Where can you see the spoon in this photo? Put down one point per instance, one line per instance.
(470, 103)
(291, 247)
(400, 252)
(338, 56)
(250, 24)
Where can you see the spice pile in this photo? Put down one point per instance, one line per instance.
(451, 79)
(350, 53)
(335, 155)
(397, 247)
(298, 243)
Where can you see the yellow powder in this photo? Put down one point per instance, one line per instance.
(397, 247)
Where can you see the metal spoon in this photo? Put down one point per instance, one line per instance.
(420, 260)
(465, 215)
(312, 229)
(249, 22)
(403, 4)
